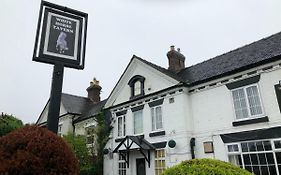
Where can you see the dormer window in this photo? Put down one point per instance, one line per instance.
(136, 84)
(137, 88)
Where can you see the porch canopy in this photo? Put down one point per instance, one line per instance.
(132, 143)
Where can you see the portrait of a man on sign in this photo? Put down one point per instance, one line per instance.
(61, 36)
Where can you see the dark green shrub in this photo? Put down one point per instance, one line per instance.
(34, 150)
(9, 123)
(205, 167)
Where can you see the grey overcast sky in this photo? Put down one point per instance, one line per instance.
(117, 29)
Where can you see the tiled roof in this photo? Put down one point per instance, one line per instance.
(246, 57)
(81, 106)
(255, 54)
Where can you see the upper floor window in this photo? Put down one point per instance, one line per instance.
(156, 116)
(137, 88)
(136, 84)
(247, 102)
(90, 134)
(121, 125)
(138, 122)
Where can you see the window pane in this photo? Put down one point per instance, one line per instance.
(158, 118)
(137, 88)
(272, 170)
(277, 144)
(119, 126)
(240, 104)
(138, 122)
(278, 157)
(262, 159)
(244, 147)
(267, 145)
(246, 159)
(269, 157)
(254, 100)
(259, 146)
(124, 125)
(254, 159)
(153, 118)
(256, 170)
(252, 146)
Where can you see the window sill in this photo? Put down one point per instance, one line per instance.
(157, 133)
(250, 121)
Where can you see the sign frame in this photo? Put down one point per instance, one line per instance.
(60, 36)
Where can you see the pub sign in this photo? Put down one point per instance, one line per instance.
(61, 36)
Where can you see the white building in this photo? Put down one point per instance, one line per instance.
(225, 108)
(77, 114)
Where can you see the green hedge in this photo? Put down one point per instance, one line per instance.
(205, 167)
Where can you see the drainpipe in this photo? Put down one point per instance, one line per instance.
(192, 144)
(73, 126)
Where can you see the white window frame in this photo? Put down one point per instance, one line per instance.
(122, 169)
(154, 118)
(137, 88)
(241, 153)
(159, 159)
(134, 122)
(123, 126)
(247, 103)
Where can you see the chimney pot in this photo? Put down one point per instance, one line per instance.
(94, 91)
(176, 60)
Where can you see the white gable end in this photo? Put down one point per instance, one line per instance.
(154, 81)
(44, 115)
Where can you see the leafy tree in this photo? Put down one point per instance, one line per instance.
(102, 130)
(205, 166)
(79, 146)
(9, 123)
(91, 157)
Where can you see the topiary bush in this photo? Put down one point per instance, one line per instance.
(205, 167)
(35, 150)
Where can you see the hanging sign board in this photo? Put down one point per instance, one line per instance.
(60, 36)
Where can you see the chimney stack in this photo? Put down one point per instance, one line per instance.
(176, 60)
(94, 91)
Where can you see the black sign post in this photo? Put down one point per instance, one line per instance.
(61, 41)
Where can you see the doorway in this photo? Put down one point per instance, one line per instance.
(140, 166)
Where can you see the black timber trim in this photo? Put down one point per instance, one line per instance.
(268, 133)
(250, 121)
(137, 108)
(247, 67)
(244, 82)
(159, 145)
(121, 113)
(119, 139)
(278, 95)
(159, 133)
(156, 103)
(122, 138)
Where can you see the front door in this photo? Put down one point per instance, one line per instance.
(140, 166)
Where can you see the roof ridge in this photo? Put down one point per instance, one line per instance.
(74, 95)
(246, 45)
(161, 69)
